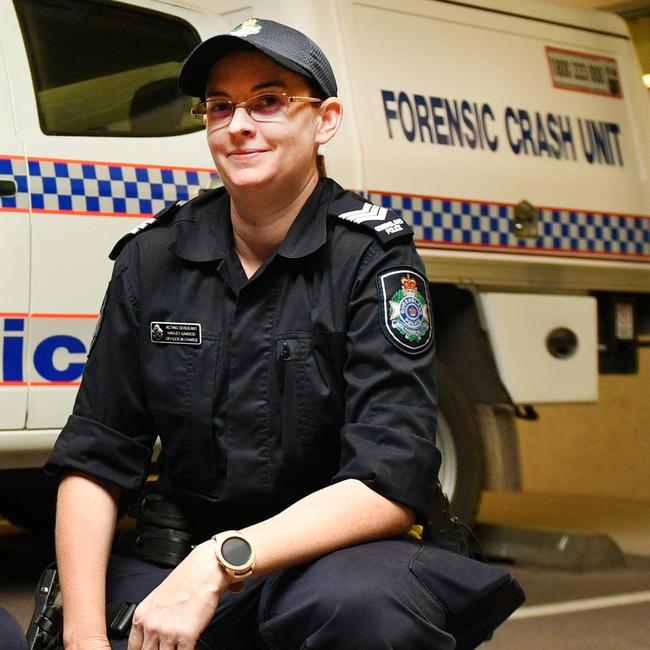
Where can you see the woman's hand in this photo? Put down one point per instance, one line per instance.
(174, 614)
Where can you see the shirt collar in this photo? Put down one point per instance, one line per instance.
(209, 237)
(308, 232)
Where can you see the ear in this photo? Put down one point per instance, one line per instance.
(331, 112)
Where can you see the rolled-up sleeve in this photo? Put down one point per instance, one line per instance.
(110, 433)
(388, 440)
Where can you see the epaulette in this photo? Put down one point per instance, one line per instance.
(160, 217)
(383, 223)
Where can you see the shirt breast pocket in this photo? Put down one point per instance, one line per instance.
(310, 397)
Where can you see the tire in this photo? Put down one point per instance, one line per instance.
(28, 500)
(459, 441)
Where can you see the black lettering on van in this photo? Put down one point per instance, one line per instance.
(596, 74)
(561, 68)
(580, 71)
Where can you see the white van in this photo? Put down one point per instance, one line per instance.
(513, 137)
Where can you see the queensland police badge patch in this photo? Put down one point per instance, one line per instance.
(405, 309)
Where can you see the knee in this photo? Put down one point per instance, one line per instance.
(12, 635)
(362, 604)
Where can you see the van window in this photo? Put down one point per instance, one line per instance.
(106, 69)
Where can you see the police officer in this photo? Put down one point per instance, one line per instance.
(277, 335)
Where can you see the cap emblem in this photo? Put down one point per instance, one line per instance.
(247, 28)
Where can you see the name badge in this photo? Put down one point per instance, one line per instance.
(176, 333)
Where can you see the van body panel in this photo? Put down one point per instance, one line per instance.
(464, 180)
(82, 193)
(519, 327)
(14, 255)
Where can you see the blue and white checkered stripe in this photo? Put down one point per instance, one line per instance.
(80, 187)
(84, 187)
(475, 224)
(15, 169)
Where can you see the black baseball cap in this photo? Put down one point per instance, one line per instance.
(286, 46)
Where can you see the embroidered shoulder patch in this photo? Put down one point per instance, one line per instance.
(160, 217)
(383, 223)
(405, 309)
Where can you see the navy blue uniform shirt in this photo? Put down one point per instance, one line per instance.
(318, 368)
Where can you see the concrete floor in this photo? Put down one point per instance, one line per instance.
(600, 610)
(604, 609)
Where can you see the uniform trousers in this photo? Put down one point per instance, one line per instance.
(374, 596)
(12, 636)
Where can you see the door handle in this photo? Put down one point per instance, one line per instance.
(7, 188)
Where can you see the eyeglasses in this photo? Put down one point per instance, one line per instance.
(268, 107)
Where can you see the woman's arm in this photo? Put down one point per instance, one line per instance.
(85, 523)
(339, 515)
(334, 517)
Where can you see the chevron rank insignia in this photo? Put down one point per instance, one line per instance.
(405, 309)
(384, 223)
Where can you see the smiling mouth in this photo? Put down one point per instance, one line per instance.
(247, 153)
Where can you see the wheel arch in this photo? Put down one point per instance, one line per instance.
(463, 349)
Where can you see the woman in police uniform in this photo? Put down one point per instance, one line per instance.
(276, 335)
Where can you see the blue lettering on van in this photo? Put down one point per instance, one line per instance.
(600, 142)
(539, 134)
(405, 109)
(439, 120)
(44, 358)
(13, 352)
(475, 125)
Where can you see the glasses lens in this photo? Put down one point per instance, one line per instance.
(266, 107)
(218, 110)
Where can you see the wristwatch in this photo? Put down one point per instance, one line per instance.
(235, 554)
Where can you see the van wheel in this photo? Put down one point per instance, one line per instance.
(460, 444)
(27, 500)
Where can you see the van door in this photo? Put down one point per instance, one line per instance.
(14, 257)
(109, 141)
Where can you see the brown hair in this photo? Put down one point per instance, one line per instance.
(320, 166)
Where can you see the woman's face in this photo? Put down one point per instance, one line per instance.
(250, 154)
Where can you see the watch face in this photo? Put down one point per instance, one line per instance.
(236, 551)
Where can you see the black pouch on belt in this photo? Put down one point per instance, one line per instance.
(162, 534)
